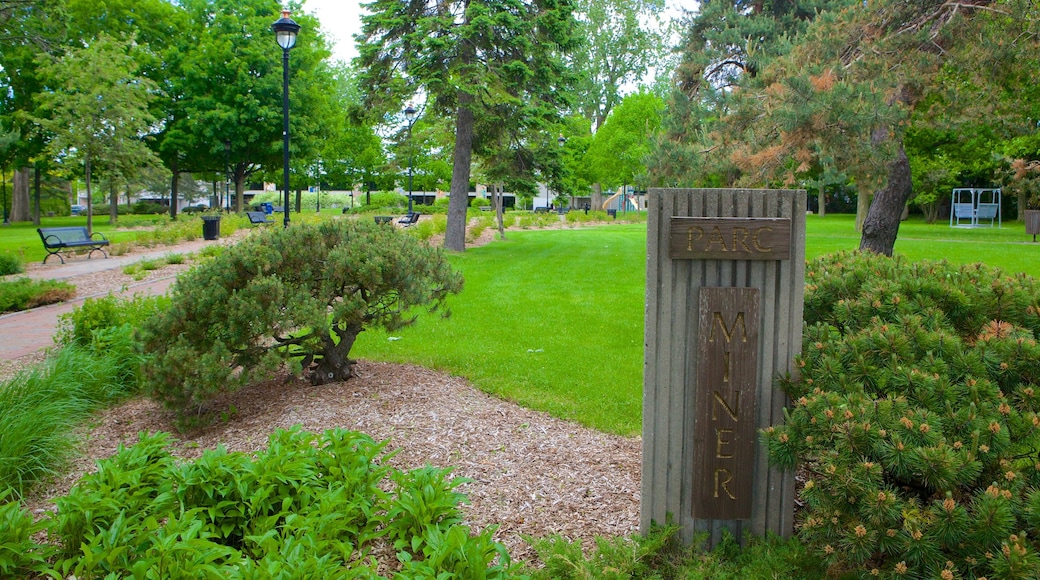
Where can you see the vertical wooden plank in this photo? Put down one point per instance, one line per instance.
(678, 341)
(651, 365)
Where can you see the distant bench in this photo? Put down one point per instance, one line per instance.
(409, 219)
(58, 240)
(258, 217)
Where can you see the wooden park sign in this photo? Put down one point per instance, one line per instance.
(725, 276)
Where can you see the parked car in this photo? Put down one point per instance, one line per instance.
(79, 209)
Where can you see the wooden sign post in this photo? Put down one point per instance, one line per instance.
(725, 276)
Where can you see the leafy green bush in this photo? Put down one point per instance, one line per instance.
(96, 314)
(309, 506)
(25, 293)
(916, 417)
(20, 555)
(10, 264)
(301, 294)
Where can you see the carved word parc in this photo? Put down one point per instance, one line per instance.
(730, 238)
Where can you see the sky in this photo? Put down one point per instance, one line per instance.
(341, 20)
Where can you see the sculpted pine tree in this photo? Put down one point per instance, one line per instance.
(300, 295)
(466, 57)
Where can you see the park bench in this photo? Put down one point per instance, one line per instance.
(986, 211)
(486, 208)
(410, 219)
(258, 217)
(383, 219)
(58, 240)
(541, 210)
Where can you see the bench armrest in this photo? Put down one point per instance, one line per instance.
(98, 234)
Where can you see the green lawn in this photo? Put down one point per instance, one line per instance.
(22, 240)
(553, 319)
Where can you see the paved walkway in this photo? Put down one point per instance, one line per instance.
(23, 333)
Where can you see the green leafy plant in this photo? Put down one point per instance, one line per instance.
(95, 314)
(10, 264)
(307, 506)
(20, 555)
(916, 417)
(301, 295)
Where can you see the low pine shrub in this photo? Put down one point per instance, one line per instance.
(916, 418)
(299, 296)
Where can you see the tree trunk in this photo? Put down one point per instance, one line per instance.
(90, 202)
(882, 223)
(458, 196)
(862, 207)
(173, 189)
(240, 192)
(335, 364)
(822, 203)
(597, 196)
(36, 195)
(113, 204)
(20, 208)
(496, 196)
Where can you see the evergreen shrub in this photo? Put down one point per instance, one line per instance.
(915, 418)
(299, 295)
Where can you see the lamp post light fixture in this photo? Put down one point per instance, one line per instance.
(409, 113)
(227, 176)
(285, 30)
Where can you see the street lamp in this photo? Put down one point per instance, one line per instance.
(409, 113)
(285, 30)
(227, 176)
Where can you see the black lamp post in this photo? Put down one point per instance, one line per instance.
(561, 140)
(227, 175)
(409, 113)
(285, 30)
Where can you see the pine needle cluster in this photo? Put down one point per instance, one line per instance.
(915, 415)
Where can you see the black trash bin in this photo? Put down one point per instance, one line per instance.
(210, 227)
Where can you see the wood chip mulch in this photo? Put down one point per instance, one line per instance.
(532, 475)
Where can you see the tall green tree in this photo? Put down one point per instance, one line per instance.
(619, 150)
(225, 85)
(467, 57)
(97, 110)
(624, 40)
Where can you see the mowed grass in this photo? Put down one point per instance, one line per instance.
(553, 319)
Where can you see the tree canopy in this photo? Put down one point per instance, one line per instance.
(495, 62)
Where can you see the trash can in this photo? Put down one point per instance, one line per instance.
(268, 207)
(210, 227)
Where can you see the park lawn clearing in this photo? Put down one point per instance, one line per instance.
(550, 319)
(553, 319)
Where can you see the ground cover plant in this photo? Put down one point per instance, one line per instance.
(23, 293)
(916, 415)
(307, 506)
(299, 295)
